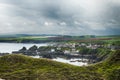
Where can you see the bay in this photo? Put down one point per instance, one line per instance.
(9, 47)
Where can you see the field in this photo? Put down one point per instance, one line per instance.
(56, 38)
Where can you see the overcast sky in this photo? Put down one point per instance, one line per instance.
(69, 17)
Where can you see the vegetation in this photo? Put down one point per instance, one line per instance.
(110, 68)
(25, 38)
(19, 67)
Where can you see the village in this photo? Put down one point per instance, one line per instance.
(70, 50)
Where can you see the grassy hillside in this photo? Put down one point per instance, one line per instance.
(19, 67)
(110, 68)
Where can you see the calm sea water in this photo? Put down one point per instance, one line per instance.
(9, 47)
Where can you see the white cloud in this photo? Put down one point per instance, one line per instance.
(77, 22)
(76, 16)
(48, 23)
(95, 25)
(63, 23)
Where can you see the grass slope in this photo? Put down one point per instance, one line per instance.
(19, 67)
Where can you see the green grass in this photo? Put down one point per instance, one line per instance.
(19, 67)
(110, 68)
(21, 39)
(72, 38)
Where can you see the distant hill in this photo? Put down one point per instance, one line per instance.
(19, 67)
(81, 36)
(25, 35)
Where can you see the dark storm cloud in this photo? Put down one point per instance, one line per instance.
(73, 17)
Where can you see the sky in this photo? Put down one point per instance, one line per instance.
(64, 17)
